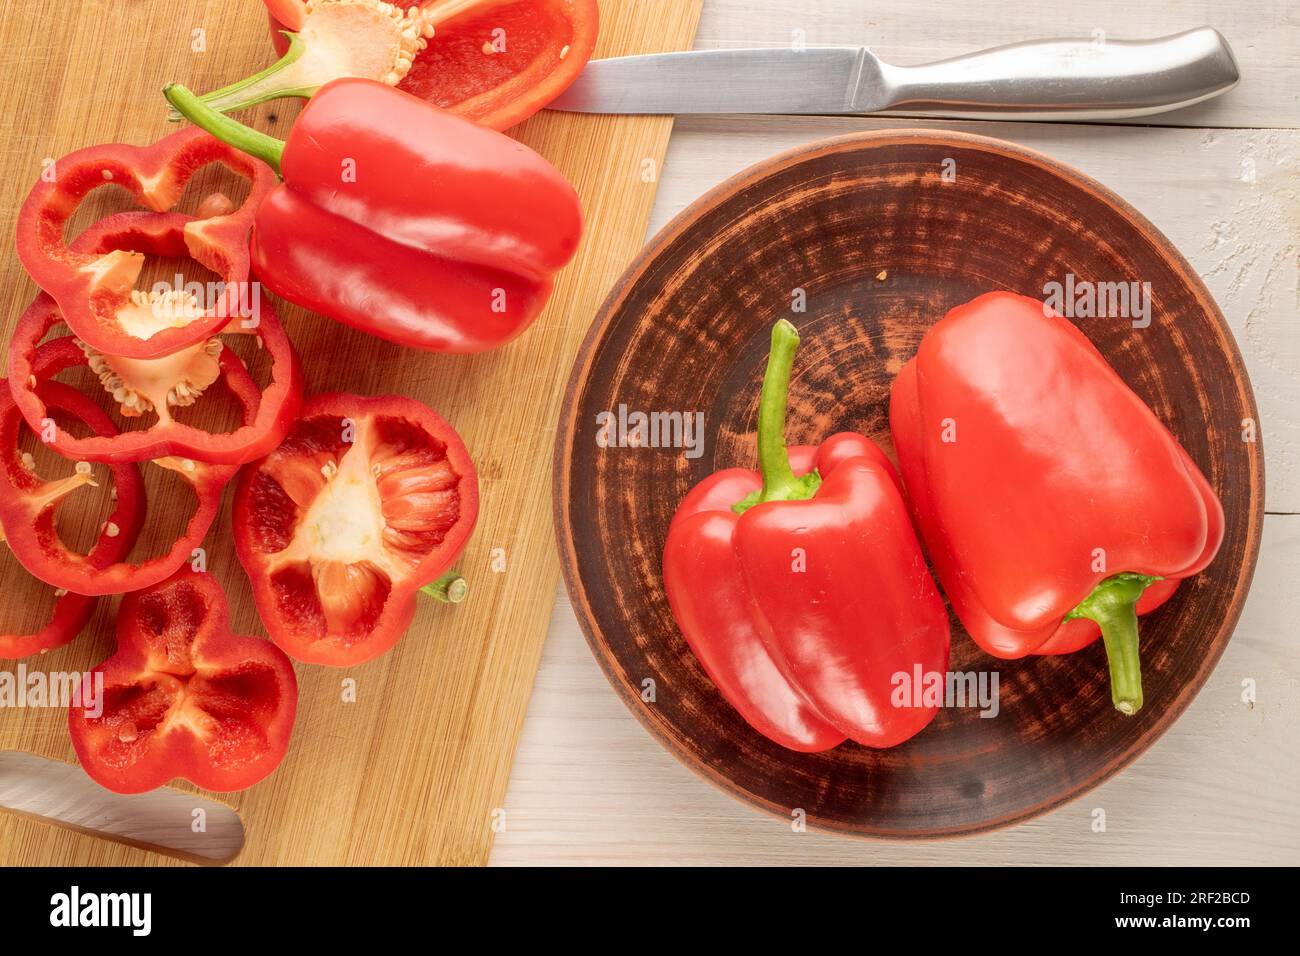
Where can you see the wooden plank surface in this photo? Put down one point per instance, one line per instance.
(413, 770)
(591, 786)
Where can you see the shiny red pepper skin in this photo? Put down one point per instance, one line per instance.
(1054, 457)
(804, 610)
(713, 606)
(115, 540)
(184, 697)
(88, 295)
(269, 412)
(446, 239)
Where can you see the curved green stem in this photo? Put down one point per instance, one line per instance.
(779, 480)
(251, 141)
(1113, 605)
(278, 80)
(451, 588)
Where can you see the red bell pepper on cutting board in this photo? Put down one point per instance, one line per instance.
(802, 589)
(117, 535)
(493, 62)
(184, 697)
(1053, 502)
(405, 221)
(366, 503)
(94, 288)
(154, 386)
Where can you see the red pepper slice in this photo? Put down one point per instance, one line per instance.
(184, 697)
(495, 62)
(445, 237)
(803, 590)
(547, 43)
(94, 289)
(1088, 511)
(367, 501)
(269, 414)
(116, 538)
(27, 514)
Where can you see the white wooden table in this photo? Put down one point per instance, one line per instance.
(1222, 181)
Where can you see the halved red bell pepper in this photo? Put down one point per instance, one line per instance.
(802, 589)
(116, 537)
(405, 221)
(27, 511)
(367, 502)
(94, 289)
(1053, 502)
(184, 697)
(154, 385)
(495, 62)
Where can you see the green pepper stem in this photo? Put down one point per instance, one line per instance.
(779, 480)
(275, 82)
(773, 460)
(1113, 606)
(451, 588)
(251, 141)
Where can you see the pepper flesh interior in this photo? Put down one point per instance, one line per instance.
(344, 521)
(338, 38)
(222, 706)
(176, 380)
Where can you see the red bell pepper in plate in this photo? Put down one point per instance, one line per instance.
(1053, 502)
(802, 589)
(27, 510)
(116, 536)
(367, 503)
(495, 62)
(95, 290)
(184, 697)
(155, 386)
(405, 221)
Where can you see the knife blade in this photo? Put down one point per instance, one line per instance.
(1071, 79)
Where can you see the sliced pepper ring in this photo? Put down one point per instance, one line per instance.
(366, 501)
(116, 537)
(28, 517)
(184, 697)
(93, 288)
(269, 413)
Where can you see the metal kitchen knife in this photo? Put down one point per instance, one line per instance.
(1037, 80)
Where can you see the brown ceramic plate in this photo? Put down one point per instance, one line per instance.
(883, 246)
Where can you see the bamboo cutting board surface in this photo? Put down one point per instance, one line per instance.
(414, 770)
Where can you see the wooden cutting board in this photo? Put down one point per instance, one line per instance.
(414, 770)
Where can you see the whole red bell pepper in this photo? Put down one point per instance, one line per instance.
(1053, 502)
(184, 697)
(802, 589)
(117, 535)
(94, 289)
(366, 503)
(153, 386)
(405, 221)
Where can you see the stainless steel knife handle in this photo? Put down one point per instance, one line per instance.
(1066, 79)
